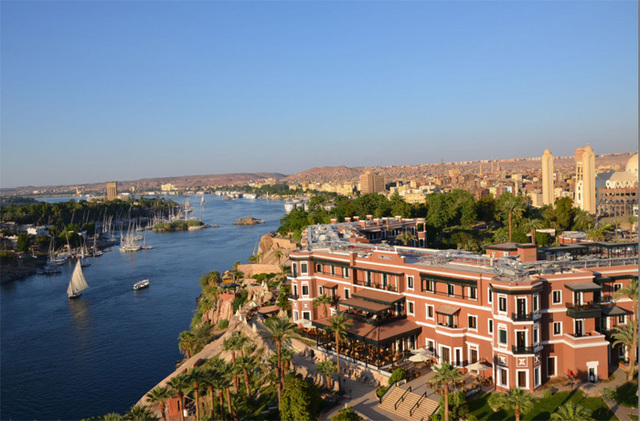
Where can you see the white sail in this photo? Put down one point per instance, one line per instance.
(78, 283)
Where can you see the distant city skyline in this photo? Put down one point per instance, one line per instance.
(97, 91)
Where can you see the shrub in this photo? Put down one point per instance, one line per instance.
(346, 414)
(397, 375)
(223, 324)
(381, 391)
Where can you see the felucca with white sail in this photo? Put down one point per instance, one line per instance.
(78, 283)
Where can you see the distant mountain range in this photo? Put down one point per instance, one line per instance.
(340, 174)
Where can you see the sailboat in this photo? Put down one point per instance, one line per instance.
(78, 283)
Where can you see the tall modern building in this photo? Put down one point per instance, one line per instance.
(585, 179)
(547, 177)
(371, 182)
(112, 190)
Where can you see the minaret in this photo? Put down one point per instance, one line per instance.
(589, 180)
(547, 177)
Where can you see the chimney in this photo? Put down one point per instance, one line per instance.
(334, 220)
(347, 219)
(356, 218)
(369, 217)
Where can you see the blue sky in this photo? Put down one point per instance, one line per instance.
(119, 90)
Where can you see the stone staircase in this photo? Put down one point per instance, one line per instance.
(423, 412)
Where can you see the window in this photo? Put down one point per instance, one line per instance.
(295, 290)
(429, 311)
(536, 335)
(473, 322)
(557, 297)
(502, 336)
(410, 282)
(536, 302)
(502, 304)
(294, 267)
(458, 357)
(320, 290)
(473, 293)
(305, 290)
(621, 352)
(503, 377)
(410, 307)
(450, 289)
(347, 293)
(306, 315)
(369, 277)
(522, 379)
(551, 366)
(303, 268)
(616, 287)
(489, 295)
(345, 272)
(431, 345)
(319, 268)
(621, 319)
(490, 327)
(333, 270)
(385, 280)
(557, 328)
(536, 377)
(429, 285)
(295, 315)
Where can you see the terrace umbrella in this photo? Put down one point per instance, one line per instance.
(422, 351)
(477, 366)
(419, 358)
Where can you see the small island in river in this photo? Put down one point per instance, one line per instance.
(249, 220)
(190, 225)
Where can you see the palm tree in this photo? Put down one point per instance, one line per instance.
(218, 381)
(323, 300)
(196, 376)
(570, 411)
(246, 363)
(445, 375)
(235, 342)
(327, 368)
(278, 330)
(278, 255)
(112, 416)
(597, 234)
(159, 395)
(186, 343)
(179, 384)
(406, 237)
(512, 206)
(631, 291)
(139, 413)
(531, 225)
(339, 324)
(626, 336)
(518, 400)
(582, 219)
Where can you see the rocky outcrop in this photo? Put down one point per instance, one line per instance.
(269, 244)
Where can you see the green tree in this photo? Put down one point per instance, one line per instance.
(112, 416)
(444, 377)
(530, 225)
(406, 237)
(346, 414)
(564, 212)
(517, 399)
(186, 344)
(626, 336)
(196, 376)
(180, 384)
(246, 363)
(339, 324)
(159, 395)
(511, 208)
(327, 368)
(139, 413)
(279, 330)
(23, 243)
(570, 411)
(582, 220)
(486, 209)
(323, 300)
(299, 400)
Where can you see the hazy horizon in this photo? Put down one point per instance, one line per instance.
(95, 91)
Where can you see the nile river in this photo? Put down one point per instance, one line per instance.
(72, 359)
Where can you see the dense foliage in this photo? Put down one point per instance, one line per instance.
(300, 400)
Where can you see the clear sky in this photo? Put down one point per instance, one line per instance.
(121, 90)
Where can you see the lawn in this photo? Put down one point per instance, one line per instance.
(626, 395)
(543, 408)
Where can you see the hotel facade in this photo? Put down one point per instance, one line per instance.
(526, 321)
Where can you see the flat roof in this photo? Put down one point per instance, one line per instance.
(268, 309)
(376, 335)
(378, 296)
(584, 286)
(365, 305)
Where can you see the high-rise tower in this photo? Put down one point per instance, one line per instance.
(112, 190)
(585, 179)
(547, 178)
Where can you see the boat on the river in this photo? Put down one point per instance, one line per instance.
(141, 284)
(78, 283)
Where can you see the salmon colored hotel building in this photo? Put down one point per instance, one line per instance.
(526, 321)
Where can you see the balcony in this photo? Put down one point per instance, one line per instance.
(375, 285)
(522, 317)
(587, 310)
(522, 349)
(293, 296)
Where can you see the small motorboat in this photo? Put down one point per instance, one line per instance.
(141, 284)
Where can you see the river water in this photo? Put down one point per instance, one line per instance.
(72, 359)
